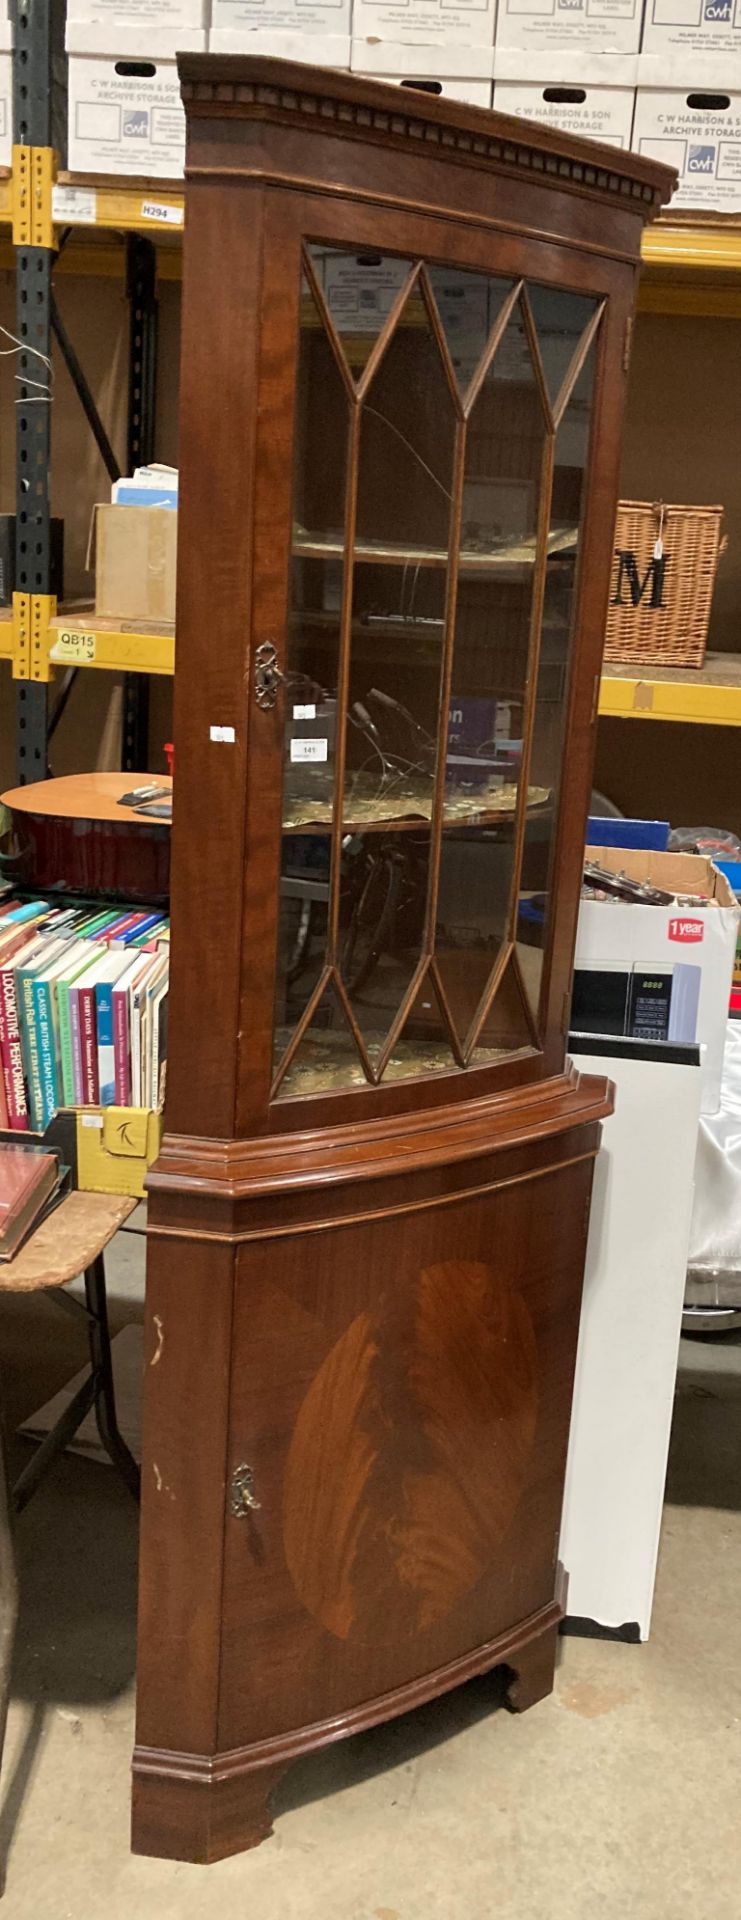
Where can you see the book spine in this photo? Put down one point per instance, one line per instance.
(45, 1040)
(136, 1043)
(12, 1054)
(103, 928)
(76, 1039)
(106, 1053)
(154, 1081)
(65, 1044)
(30, 910)
(89, 1047)
(122, 1076)
(31, 1053)
(136, 934)
(127, 924)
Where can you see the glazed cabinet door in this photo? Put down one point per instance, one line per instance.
(400, 1398)
(442, 423)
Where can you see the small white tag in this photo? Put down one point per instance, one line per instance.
(92, 1120)
(309, 749)
(79, 205)
(659, 550)
(222, 733)
(159, 210)
(305, 713)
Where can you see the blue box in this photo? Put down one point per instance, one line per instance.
(649, 836)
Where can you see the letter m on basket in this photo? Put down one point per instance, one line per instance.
(628, 576)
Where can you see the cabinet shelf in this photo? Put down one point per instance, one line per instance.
(516, 560)
(416, 816)
(121, 206)
(130, 204)
(699, 696)
(695, 246)
(81, 638)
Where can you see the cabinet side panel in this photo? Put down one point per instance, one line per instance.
(586, 660)
(218, 414)
(401, 1389)
(186, 1392)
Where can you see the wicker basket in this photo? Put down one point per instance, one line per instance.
(664, 566)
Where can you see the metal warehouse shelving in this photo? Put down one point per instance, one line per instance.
(55, 222)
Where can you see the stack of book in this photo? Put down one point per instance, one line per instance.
(83, 1009)
(29, 1188)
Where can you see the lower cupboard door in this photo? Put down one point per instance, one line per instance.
(401, 1392)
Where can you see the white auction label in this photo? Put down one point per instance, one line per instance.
(160, 210)
(92, 1120)
(305, 713)
(309, 749)
(78, 205)
(226, 735)
(73, 646)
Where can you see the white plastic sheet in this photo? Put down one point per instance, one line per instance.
(715, 1234)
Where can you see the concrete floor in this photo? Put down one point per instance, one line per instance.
(618, 1797)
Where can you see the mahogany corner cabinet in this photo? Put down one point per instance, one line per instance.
(405, 344)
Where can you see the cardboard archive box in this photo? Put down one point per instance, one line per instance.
(652, 944)
(134, 551)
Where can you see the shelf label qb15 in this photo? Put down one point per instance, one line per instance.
(73, 644)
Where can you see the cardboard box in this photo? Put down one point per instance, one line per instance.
(360, 292)
(115, 1148)
(149, 18)
(697, 134)
(691, 27)
(613, 934)
(557, 26)
(476, 93)
(6, 91)
(594, 98)
(120, 120)
(134, 550)
(330, 19)
(291, 42)
(453, 73)
(455, 24)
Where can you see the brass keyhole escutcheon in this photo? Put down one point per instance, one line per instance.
(243, 1497)
(268, 676)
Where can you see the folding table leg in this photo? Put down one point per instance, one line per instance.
(105, 1399)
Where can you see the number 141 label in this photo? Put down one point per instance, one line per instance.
(309, 749)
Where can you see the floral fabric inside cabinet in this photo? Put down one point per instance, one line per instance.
(405, 348)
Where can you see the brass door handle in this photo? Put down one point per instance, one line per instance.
(243, 1497)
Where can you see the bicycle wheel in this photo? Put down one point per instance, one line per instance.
(301, 942)
(371, 922)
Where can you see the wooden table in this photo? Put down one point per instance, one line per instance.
(71, 1240)
(67, 1242)
(73, 836)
